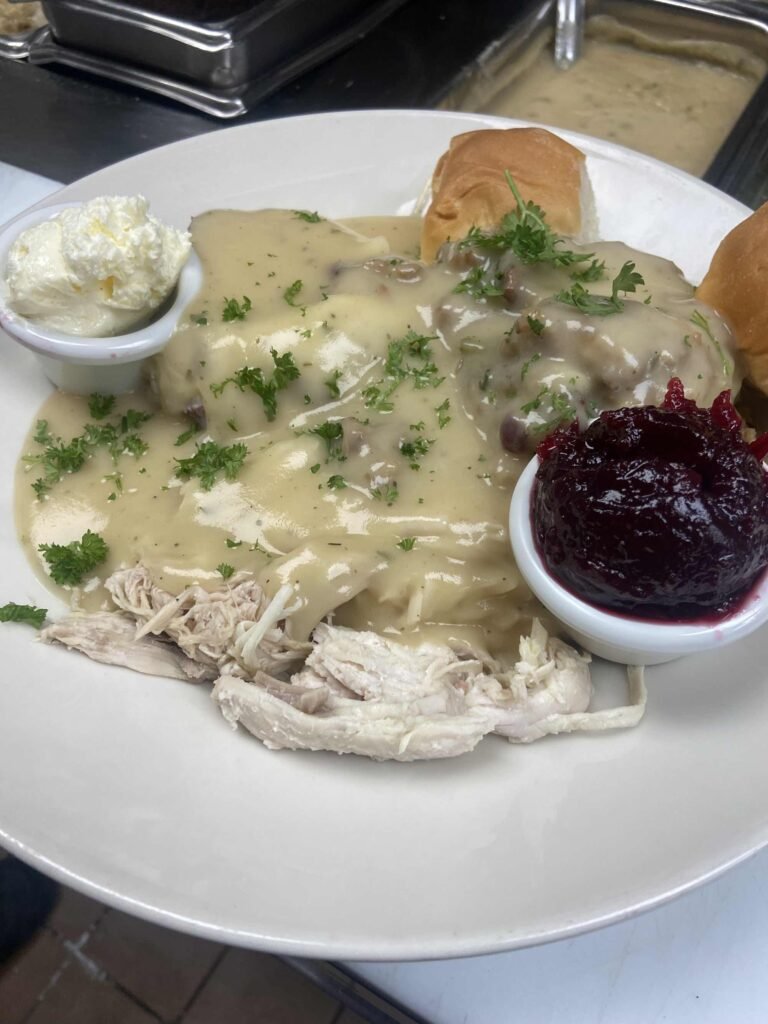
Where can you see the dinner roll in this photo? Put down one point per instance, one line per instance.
(469, 187)
(736, 285)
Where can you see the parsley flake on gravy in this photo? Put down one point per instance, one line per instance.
(59, 458)
(332, 432)
(209, 461)
(408, 358)
(291, 293)
(625, 281)
(234, 310)
(100, 406)
(252, 378)
(308, 217)
(70, 563)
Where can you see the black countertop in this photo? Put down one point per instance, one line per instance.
(65, 124)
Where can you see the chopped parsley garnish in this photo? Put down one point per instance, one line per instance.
(408, 358)
(234, 310)
(59, 458)
(315, 468)
(135, 446)
(131, 419)
(699, 320)
(100, 406)
(477, 284)
(529, 363)
(332, 432)
(118, 481)
(252, 378)
(332, 383)
(336, 482)
(225, 570)
(69, 563)
(594, 272)
(187, 435)
(388, 494)
(537, 326)
(309, 218)
(443, 416)
(26, 613)
(415, 449)
(535, 402)
(560, 409)
(526, 233)
(233, 543)
(209, 460)
(625, 281)
(407, 543)
(201, 319)
(292, 291)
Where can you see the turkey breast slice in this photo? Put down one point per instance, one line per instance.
(355, 692)
(385, 700)
(110, 638)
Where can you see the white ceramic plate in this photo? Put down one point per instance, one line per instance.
(135, 791)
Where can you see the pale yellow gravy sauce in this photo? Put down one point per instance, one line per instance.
(339, 548)
(677, 105)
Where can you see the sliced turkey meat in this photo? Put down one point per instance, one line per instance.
(345, 691)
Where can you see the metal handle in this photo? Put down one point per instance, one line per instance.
(569, 32)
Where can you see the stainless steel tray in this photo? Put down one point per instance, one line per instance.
(740, 166)
(216, 102)
(17, 46)
(216, 55)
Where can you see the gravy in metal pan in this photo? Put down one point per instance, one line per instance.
(674, 100)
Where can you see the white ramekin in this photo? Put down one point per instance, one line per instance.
(83, 365)
(612, 635)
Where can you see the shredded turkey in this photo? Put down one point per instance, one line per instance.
(345, 691)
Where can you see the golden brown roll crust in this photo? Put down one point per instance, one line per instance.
(736, 285)
(469, 188)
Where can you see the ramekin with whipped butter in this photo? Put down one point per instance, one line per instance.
(94, 289)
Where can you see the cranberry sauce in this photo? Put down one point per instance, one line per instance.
(656, 511)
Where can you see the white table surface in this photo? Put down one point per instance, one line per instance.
(702, 959)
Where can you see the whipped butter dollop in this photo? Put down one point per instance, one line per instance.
(97, 269)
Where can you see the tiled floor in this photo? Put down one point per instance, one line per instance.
(93, 965)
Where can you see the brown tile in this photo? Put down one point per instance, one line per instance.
(79, 998)
(74, 914)
(26, 976)
(254, 987)
(161, 968)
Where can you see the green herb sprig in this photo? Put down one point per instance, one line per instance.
(525, 232)
(210, 460)
(234, 310)
(26, 613)
(332, 432)
(578, 296)
(408, 358)
(69, 563)
(253, 378)
(58, 458)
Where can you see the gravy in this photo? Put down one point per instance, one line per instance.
(400, 525)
